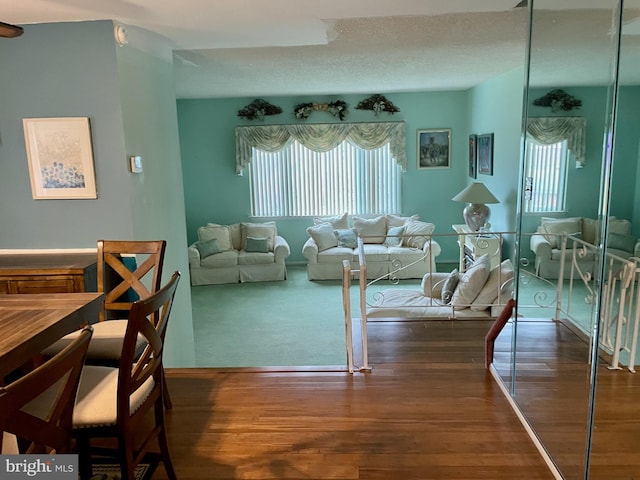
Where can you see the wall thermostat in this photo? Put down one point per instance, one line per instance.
(135, 164)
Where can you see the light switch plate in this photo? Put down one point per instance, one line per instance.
(135, 164)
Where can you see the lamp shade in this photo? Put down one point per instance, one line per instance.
(476, 213)
(475, 192)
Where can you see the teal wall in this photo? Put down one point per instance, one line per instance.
(496, 107)
(75, 69)
(624, 195)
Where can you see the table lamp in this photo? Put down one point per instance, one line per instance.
(476, 213)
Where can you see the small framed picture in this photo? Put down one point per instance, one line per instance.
(473, 155)
(485, 154)
(60, 158)
(434, 148)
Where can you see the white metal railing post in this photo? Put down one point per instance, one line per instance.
(363, 305)
(615, 359)
(636, 319)
(561, 277)
(627, 273)
(346, 303)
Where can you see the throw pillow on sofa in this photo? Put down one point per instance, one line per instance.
(450, 285)
(497, 284)
(236, 235)
(220, 232)
(619, 226)
(398, 221)
(471, 282)
(259, 245)
(346, 237)
(394, 238)
(626, 243)
(590, 230)
(338, 222)
(259, 230)
(323, 235)
(552, 227)
(417, 233)
(372, 230)
(206, 248)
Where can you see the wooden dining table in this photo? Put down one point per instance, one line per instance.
(31, 322)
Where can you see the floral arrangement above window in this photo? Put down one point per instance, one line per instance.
(336, 109)
(258, 109)
(558, 99)
(378, 103)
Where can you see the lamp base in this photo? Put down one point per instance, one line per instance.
(476, 215)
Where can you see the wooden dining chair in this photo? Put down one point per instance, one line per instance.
(37, 408)
(115, 402)
(127, 270)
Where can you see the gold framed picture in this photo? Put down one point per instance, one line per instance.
(60, 158)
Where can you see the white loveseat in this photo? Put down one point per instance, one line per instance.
(242, 252)
(546, 243)
(391, 244)
(476, 293)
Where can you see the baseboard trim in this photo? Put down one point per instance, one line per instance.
(179, 371)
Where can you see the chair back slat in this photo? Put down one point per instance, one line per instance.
(123, 284)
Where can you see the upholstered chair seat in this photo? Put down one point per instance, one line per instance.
(96, 402)
(106, 344)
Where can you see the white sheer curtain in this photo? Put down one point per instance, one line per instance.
(321, 138)
(550, 130)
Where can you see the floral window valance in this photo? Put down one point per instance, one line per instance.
(321, 138)
(549, 130)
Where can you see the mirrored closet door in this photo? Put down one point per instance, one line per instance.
(572, 343)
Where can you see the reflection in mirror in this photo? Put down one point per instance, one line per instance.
(615, 450)
(564, 193)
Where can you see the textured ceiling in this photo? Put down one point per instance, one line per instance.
(379, 54)
(295, 47)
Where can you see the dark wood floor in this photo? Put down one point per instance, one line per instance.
(428, 410)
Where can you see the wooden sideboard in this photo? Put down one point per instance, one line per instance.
(48, 273)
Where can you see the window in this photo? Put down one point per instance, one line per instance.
(297, 181)
(545, 176)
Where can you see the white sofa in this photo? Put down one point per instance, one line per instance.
(391, 244)
(242, 252)
(477, 293)
(546, 243)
